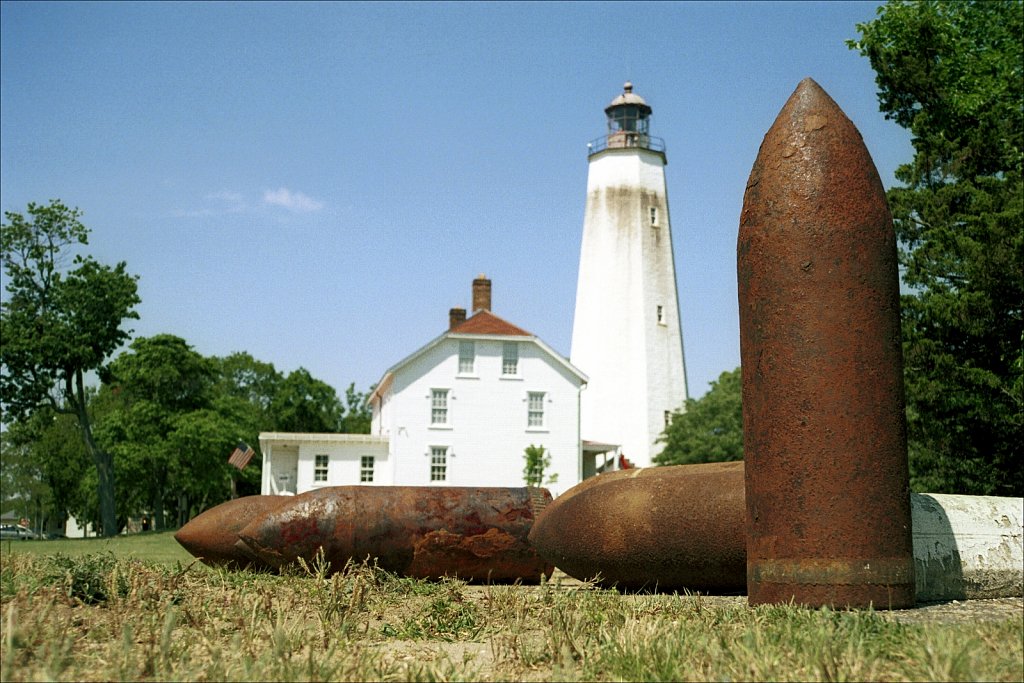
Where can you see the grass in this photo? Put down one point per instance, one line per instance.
(159, 548)
(105, 615)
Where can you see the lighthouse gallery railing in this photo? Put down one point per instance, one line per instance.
(625, 139)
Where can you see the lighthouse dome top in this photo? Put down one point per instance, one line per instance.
(628, 97)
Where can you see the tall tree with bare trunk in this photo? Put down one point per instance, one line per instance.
(62, 317)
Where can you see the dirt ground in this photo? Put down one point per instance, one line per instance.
(951, 611)
(484, 661)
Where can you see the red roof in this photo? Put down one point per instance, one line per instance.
(485, 322)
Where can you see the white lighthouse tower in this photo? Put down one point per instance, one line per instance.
(626, 334)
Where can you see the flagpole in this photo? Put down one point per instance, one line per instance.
(234, 474)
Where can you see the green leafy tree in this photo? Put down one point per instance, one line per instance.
(159, 386)
(710, 429)
(244, 393)
(952, 73)
(537, 461)
(64, 462)
(58, 323)
(202, 440)
(242, 376)
(306, 404)
(23, 486)
(45, 462)
(358, 415)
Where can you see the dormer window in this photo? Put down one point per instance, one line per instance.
(467, 353)
(510, 358)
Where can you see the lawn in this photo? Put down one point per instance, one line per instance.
(136, 608)
(159, 548)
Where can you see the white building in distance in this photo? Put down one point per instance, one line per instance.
(458, 411)
(626, 331)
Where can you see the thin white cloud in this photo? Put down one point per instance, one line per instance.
(293, 201)
(225, 202)
(218, 204)
(230, 201)
(227, 196)
(194, 213)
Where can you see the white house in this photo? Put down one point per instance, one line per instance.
(295, 463)
(458, 411)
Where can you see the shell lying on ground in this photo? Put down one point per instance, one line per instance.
(664, 528)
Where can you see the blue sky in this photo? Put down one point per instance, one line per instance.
(317, 184)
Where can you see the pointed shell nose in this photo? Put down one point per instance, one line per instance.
(212, 535)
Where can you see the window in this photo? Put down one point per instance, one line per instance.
(654, 215)
(438, 463)
(467, 350)
(438, 406)
(510, 359)
(535, 409)
(661, 315)
(668, 417)
(320, 468)
(366, 468)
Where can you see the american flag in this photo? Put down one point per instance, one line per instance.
(241, 456)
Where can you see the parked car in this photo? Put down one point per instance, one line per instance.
(16, 531)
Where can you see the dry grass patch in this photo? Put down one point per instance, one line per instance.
(96, 617)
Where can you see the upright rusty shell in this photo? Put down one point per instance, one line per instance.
(476, 534)
(827, 485)
(664, 528)
(212, 536)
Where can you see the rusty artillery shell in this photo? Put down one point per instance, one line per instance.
(827, 490)
(475, 534)
(965, 547)
(664, 528)
(212, 536)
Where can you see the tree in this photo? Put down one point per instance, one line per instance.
(244, 393)
(305, 404)
(242, 376)
(710, 429)
(358, 415)
(951, 73)
(537, 461)
(202, 440)
(176, 416)
(23, 485)
(45, 462)
(163, 390)
(59, 324)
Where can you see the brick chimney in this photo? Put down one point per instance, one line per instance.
(481, 293)
(456, 316)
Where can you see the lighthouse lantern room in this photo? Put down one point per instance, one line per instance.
(628, 124)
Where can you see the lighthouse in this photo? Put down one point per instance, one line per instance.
(626, 333)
